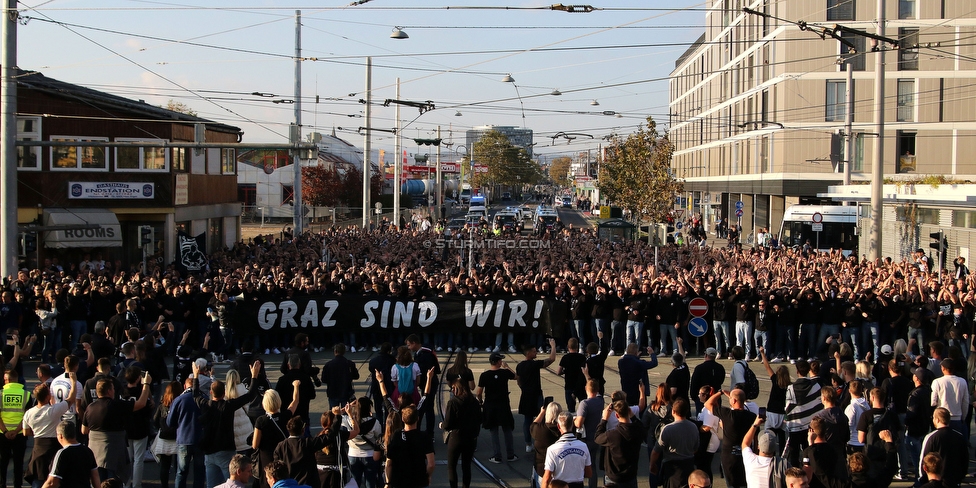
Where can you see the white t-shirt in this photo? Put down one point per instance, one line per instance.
(612, 421)
(710, 421)
(61, 387)
(757, 469)
(43, 420)
(567, 459)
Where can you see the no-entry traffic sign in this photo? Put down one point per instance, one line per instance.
(697, 326)
(698, 307)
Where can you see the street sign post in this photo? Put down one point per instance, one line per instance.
(739, 205)
(698, 307)
(738, 213)
(697, 326)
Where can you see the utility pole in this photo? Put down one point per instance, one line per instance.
(8, 147)
(438, 185)
(877, 167)
(397, 162)
(296, 134)
(366, 148)
(849, 124)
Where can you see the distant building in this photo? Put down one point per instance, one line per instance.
(116, 190)
(757, 107)
(266, 178)
(518, 136)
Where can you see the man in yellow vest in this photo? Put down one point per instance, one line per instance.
(13, 443)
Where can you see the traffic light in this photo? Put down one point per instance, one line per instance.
(939, 241)
(29, 243)
(146, 235)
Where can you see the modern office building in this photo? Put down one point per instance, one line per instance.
(518, 136)
(758, 108)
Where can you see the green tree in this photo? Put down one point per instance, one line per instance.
(636, 173)
(507, 164)
(559, 171)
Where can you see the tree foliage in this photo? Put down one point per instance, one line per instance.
(559, 171)
(636, 173)
(329, 187)
(180, 107)
(507, 164)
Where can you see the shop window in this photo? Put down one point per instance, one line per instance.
(79, 157)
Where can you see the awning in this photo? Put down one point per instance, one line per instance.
(103, 228)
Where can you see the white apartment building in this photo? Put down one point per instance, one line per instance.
(758, 109)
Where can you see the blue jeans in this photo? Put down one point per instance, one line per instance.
(635, 331)
(825, 330)
(186, 455)
(807, 343)
(668, 330)
(762, 340)
(602, 334)
(616, 331)
(853, 336)
(721, 336)
(579, 331)
(217, 466)
(78, 328)
(365, 470)
(743, 329)
(870, 332)
(919, 335)
(910, 452)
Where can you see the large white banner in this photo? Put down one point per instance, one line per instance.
(114, 190)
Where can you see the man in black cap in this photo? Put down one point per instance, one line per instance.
(493, 393)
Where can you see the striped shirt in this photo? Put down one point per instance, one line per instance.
(802, 402)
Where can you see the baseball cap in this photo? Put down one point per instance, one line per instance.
(886, 349)
(924, 375)
(711, 352)
(768, 443)
(495, 357)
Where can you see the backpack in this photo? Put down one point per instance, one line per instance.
(751, 382)
(405, 379)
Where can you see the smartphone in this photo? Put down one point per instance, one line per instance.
(762, 413)
(546, 401)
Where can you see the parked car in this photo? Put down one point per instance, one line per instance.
(506, 197)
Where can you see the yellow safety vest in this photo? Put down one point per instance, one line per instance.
(15, 398)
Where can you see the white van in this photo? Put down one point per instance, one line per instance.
(478, 204)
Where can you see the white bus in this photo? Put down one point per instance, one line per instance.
(839, 227)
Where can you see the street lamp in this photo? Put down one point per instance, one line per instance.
(398, 33)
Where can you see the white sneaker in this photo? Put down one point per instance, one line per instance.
(610, 352)
(438, 348)
(528, 449)
(776, 360)
(352, 348)
(488, 349)
(511, 349)
(275, 351)
(267, 351)
(376, 348)
(471, 350)
(457, 349)
(496, 349)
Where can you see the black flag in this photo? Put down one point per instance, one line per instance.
(192, 257)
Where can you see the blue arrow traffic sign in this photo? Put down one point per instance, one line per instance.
(739, 205)
(697, 326)
(678, 225)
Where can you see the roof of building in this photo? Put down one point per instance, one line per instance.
(35, 80)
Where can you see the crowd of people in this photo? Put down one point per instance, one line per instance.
(881, 343)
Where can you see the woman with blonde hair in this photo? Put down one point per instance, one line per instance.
(242, 424)
(271, 428)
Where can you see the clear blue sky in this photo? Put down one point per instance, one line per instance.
(455, 57)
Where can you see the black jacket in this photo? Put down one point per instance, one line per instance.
(623, 448)
(337, 375)
(217, 418)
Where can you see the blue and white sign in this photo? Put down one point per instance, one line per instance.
(111, 190)
(697, 326)
(738, 213)
(739, 205)
(678, 225)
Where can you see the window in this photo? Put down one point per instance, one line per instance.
(140, 158)
(927, 216)
(840, 9)
(836, 106)
(908, 54)
(228, 161)
(178, 158)
(28, 129)
(906, 9)
(906, 152)
(906, 101)
(287, 195)
(858, 153)
(79, 157)
(857, 58)
(964, 218)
